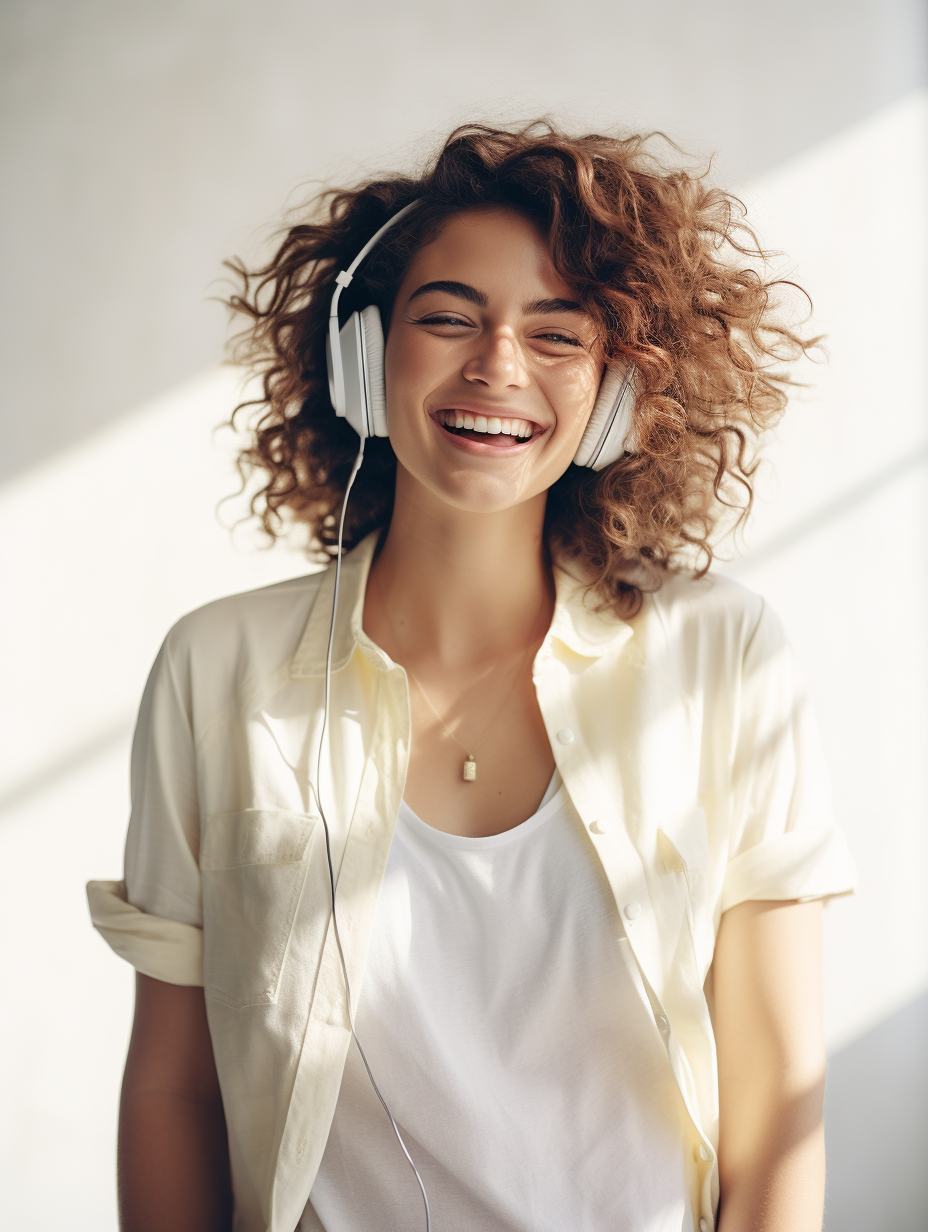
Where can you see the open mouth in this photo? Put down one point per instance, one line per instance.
(487, 429)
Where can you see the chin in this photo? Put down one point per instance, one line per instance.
(468, 486)
(477, 493)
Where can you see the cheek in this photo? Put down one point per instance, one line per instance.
(573, 396)
(408, 365)
(410, 374)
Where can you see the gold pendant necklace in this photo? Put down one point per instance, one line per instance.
(469, 769)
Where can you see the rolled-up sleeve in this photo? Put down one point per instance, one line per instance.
(153, 918)
(165, 949)
(784, 841)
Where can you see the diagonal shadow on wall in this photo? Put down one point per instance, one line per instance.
(876, 1128)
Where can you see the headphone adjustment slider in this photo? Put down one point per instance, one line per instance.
(344, 278)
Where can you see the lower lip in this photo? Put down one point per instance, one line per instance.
(485, 449)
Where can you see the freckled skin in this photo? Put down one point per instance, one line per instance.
(498, 353)
(461, 594)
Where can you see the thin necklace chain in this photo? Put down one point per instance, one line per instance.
(428, 701)
(477, 744)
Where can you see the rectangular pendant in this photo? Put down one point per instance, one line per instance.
(470, 770)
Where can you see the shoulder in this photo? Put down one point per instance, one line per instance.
(710, 608)
(252, 633)
(707, 630)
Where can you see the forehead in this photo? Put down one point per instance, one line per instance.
(495, 250)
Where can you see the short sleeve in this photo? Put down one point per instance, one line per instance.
(154, 917)
(784, 841)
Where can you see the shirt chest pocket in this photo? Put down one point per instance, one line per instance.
(684, 852)
(252, 866)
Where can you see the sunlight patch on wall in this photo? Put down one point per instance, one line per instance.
(105, 547)
(839, 539)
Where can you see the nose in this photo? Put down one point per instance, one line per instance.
(498, 362)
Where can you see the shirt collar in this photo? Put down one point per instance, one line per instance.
(576, 623)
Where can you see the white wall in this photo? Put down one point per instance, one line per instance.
(145, 142)
(839, 543)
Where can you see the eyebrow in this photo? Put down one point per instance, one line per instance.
(463, 290)
(459, 289)
(551, 305)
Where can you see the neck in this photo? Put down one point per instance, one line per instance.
(456, 587)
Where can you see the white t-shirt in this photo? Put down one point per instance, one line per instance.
(505, 1021)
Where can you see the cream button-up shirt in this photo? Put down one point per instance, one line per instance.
(684, 739)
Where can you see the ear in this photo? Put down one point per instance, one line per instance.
(374, 376)
(610, 429)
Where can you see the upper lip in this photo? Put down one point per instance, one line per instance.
(486, 409)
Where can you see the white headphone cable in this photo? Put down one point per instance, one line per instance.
(328, 846)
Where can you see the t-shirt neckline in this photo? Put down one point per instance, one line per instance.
(552, 802)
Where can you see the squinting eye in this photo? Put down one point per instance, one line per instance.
(560, 338)
(441, 318)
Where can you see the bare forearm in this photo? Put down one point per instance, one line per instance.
(778, 1183)
(768, 1029)
(173, 1164)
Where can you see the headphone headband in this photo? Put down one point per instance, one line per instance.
(342, 280)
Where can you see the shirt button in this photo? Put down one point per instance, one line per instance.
(662, 1024)
(703, 1152)
(704, 1225)
(565, 736)
(632, 911)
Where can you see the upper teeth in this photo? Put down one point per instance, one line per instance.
(485, 423)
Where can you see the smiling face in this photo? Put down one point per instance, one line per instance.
(491, 365)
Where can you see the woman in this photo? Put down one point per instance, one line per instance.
(562, 784)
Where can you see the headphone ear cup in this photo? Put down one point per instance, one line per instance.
(373, 370)
(354, 380)
(609, 431)
(335, 395)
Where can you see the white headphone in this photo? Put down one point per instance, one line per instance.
(354, 355)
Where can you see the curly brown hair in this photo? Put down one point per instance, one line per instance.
(664, 263)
